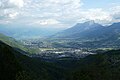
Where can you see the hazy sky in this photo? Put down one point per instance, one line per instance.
(58, 13)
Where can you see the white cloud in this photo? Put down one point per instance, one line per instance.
(115, 13)
(46, 22)
(10, 9)
(98, 15)
(18, 3)
(13, 15)
(69, 11)
(5, 4)
(4, 21)
(58, 10)
(55, 12)
(49, 7)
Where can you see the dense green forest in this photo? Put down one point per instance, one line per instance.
(16, 66)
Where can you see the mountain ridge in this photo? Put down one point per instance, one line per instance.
(84, 30)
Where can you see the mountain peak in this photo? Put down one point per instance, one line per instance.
(91, 22)
(88, 23)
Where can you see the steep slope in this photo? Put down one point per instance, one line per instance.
(9, 65)
(16, 66)
(12, 42)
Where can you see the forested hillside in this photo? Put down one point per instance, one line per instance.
(16, 66)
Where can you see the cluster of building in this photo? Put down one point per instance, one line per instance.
(62, 53)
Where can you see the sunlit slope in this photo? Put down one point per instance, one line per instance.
(12, 42)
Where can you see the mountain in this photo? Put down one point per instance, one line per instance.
(90, 31)
(89, 35)
(16, 66)
(12, 42)
(27, 31)
(9, 66)
(79, 30)
(15, 43)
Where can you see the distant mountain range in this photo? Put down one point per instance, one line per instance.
(90, 31)
(89, 35)
(27, 32)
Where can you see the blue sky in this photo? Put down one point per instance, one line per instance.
(99, 3)
(58, 13)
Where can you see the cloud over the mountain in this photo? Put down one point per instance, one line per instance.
(99, 15)
(115, 13)
(54, 12)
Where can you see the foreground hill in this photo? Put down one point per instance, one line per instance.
(9, 66)
(12, 42)
(104, 66)
(16, 66)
